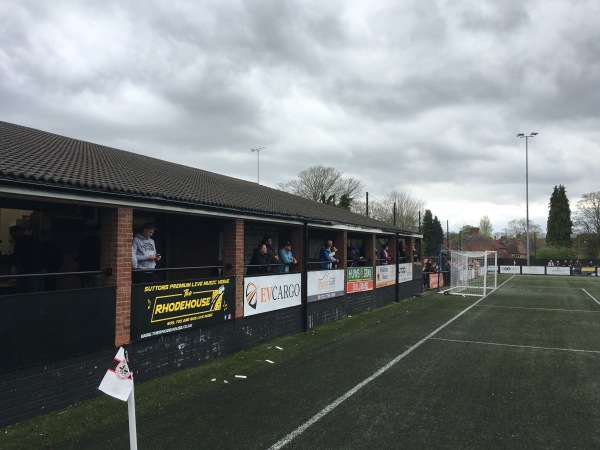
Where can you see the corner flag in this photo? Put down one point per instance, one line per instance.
(118, 381)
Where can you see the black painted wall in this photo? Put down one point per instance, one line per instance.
(36, 390)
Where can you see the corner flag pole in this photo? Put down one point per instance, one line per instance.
(132, 426)
(118, 383)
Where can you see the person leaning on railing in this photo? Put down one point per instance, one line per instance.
(259, 263)
(286, 258)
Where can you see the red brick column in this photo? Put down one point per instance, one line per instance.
(392, 249)
(371, 250)
(340, 241)
(233, 253)
(116, 236)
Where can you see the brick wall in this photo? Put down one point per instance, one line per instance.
(116, 236)
(233, 253)
(37, 390)
(325, 311)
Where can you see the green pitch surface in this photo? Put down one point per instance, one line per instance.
(519, 368)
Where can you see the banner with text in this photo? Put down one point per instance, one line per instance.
(271, 292)
(533, 270)
(436, 280)
(386, 275)
(359, 279)
(323, 284)
(405, 272)
(510, 269)
(161, 308)
(552, 270)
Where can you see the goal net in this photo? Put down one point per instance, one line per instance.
(473, 273)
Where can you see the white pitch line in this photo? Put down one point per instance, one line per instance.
(591, 296)
(302, 428)
(540, 309)
(518, 346)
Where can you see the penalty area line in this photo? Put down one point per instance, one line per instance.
(534, 347)
(302, 428)
(590, 295)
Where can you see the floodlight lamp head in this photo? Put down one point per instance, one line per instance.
(521, 135)
(533, 133)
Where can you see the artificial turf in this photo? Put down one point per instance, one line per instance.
(505, 374)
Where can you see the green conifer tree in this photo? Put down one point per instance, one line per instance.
(433, 234)
(559, 226)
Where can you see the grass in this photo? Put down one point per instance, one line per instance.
(502, 375)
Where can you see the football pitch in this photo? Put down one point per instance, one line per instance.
(519, 368)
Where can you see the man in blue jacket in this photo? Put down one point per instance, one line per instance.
(326, 256)
(286, 258)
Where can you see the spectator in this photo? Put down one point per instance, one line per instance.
(550, 263)
(426, 273)
(259, 263)
(384, 256)
(268, 241)
(286, 258)
(145, 253)
(326, 256)
(401, 253)
(355, 258)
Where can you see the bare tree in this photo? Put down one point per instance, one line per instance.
(407, 210)
(587, 215)
(586, 221)
(518, 228)
(319, 182)
(485, 226)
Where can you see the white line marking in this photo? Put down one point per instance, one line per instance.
(591, 296)
(298, 431)
(518, 346)
(540, 309)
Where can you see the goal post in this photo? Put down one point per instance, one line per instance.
(473, 273)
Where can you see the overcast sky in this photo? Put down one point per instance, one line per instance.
(425, 97)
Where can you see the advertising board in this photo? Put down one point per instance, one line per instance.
(323, 284)
(271, 292)
(359, 279)
(386, 275)
(160, 308)
(405, 272)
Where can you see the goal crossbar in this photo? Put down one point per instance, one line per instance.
(473, 273)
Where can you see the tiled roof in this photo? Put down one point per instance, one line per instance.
(49, 161)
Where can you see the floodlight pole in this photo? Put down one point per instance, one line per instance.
(257, 150)
(522, 135)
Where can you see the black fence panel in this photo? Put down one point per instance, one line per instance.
(49, 326)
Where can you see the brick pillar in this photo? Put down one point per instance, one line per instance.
(392, 249)
(233, 253)
(116, 236)
(340, 241)
(371, 250)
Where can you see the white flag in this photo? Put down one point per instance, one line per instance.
(118, 380)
